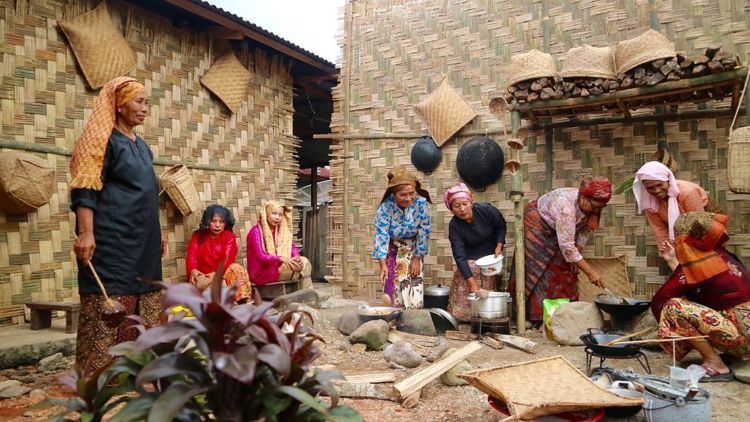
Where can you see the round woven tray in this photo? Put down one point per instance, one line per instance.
(531, 65)
(644, 48)
(589, 62)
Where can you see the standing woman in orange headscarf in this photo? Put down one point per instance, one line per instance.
(115, 197)
(402, 229)
(556, 227)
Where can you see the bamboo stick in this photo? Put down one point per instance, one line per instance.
(517, 196)
(371, 378)
(661, 340)
(621, 338)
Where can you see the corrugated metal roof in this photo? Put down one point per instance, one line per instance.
(257, 28)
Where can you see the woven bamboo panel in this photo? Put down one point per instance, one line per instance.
(44, 100)
(400, 49)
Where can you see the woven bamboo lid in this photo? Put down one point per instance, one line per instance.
(589, 62)
(531, 65)
(644, 48)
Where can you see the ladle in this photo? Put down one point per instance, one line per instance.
(113, 310)
(621, 299)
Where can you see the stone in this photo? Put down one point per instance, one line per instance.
(51, 362)
(741, 371)
(28, 354)
(348, 321)
(571, 320)
(451, 376)
(37, 395)
(8, 384)
(372, 333)
(306, 296)
(304, 308)
(417, 321)
(402, 353)
(359, 348)
(14, 391)
(337, 302)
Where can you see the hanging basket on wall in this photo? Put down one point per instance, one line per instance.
(425, 155)
(480, 162)
(26, 182)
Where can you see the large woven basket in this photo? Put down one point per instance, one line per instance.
(589, 62)
(544, 387)
(644, 48)
(26, 182)
(178, 183)
(531, 65)
(738, 160)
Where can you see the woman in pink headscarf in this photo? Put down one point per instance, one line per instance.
(664, 198)
(476, 230)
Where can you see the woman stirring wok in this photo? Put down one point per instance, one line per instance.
(402, 229)
(476, 230)
(556, 227)
(115, 197)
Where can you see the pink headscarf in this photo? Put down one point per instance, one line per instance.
(654, 170)
(458, 191)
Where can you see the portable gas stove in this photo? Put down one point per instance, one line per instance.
(490, 325)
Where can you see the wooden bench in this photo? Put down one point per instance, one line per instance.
(41, 314)
(273, 290)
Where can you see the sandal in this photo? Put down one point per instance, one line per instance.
(714, 376)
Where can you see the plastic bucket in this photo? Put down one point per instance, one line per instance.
(662, 409)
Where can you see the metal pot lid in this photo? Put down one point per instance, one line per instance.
(438, 290)
(443, 320)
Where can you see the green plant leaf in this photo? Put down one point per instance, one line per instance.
(136, 410)
(303, 397)
(168, 405)
(345, 414)
(172, 364)
(625, 186)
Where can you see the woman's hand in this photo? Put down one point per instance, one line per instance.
(415, 267)
(595, 278)
(498, 249)
(383, 273)
(668, 254)
(84, 246)
(297, 264)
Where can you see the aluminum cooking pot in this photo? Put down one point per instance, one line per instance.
(496, 305)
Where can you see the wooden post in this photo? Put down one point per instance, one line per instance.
(348, 16)
(549, 162)
(313, 253)
(747, 97)
(520, 261)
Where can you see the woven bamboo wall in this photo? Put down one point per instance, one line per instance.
(401, 49)
(44, 100)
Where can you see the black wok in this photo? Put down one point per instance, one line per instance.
(595, 340)
(620, 311)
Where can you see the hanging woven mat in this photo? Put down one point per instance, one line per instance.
(26, 182)
(531, 65)
(614, 273)
(738, 154)
(644, 48)
(544, 387)
(444, 112)
(228, 79)
(178, 182)
(589, 62)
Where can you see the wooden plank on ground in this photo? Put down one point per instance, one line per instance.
(427, 341)
(394, 336)
(494, 343)
(371, 377)
(516, 342)
(460, 335)
(365, 391)
(416, 381)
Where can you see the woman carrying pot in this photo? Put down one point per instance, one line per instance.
(115, 196)
(475, 230)
(708, 294)
(271, 254)
(664, 198)
(556, 228)
(402, 230)
(214, 244)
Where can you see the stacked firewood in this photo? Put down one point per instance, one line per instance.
(678, 67)
(648, 74)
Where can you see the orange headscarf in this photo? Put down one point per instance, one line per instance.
(88, 155)
(698, 234)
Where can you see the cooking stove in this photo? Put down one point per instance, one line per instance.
(490, 325)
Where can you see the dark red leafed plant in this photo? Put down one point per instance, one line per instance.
(227, 362)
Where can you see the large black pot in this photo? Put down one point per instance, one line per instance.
(425, 155)
(436, 297)
(595, 341)
(480, 162)
(618, 310)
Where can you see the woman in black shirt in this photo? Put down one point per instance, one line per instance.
(476, 230)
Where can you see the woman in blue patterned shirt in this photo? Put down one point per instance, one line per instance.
(402, 229)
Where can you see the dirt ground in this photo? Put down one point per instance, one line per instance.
(730, 401)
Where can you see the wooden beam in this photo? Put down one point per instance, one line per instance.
(317, 78)
(371, 378)
(416, 381)
(223, 33)
(315, 91)
(251, 33)
(365, 391)
(460, 336)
